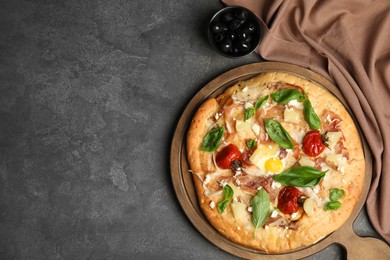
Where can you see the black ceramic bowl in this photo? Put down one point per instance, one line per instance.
(234, 31)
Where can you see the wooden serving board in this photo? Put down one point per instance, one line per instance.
(356, 247)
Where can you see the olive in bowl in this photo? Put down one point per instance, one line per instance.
(234, 31)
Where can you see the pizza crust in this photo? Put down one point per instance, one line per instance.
(274, 239)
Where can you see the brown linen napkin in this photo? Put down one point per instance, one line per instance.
(349, 43)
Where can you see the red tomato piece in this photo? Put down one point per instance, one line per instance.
(227, 155)
(288, 200)
(312, 144)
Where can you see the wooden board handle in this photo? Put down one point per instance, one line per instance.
(363, 247)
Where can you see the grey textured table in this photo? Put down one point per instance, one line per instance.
(91, 92)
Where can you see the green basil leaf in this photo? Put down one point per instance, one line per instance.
(300, 176)
(310, 115)
(212, 139)
(227, 196)
(260, 102)
(278, 134)
(249, 112)
(251, 143)
(285, 95)
(260, 208)
(332, 205)
(336, 194)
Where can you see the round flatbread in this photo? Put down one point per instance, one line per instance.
(277, 162)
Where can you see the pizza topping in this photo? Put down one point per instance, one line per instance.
(273, 165)
(251, 143)
(227, 156)
(331, 122)
(259, 103)
(278, 134)
(288, 200)
(260, 209)
(313, 144)
(261, 154)
(251, 109)
(206, 179)
(295, 104)
(297, 214)
(275, 184)
(332, 205)
(212, 139)
(300, 176)
(236, 167)
(285, 95)
(310, 115)
(227, 196)
(256, 129)
(336, 161)
(306, 161)
(275, 111)
(292, 115)
(308, 206)
(249, 112)
(274, 213)
(283, 153)
(238, 209)
(244, 129)
(334, 195)
(248, 105)
(245, 156)
(333, 138)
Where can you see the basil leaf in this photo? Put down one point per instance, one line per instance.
(336, 194)
(310, 115)
(300, 176)
(227, 196)
(260, 102)
(260, 208)
(285, 95)
(332, 205)
(212, 139)
(251, 143)
(278, 134)
(249, 112)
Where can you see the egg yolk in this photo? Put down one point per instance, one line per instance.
(273, 165)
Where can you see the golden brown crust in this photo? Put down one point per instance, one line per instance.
(198, 128)
(307, 230)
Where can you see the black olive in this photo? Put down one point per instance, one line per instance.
(216, 28)
(227, 17)
(241, 14)
(232, 36)
(244, 46)
(251, 28)
(248, 38)
(219, 37)
(243, 35)
(226, 46)
(235, 24)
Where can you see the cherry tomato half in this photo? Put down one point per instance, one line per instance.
(288, 200)
(312, 143)
(227, 155)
